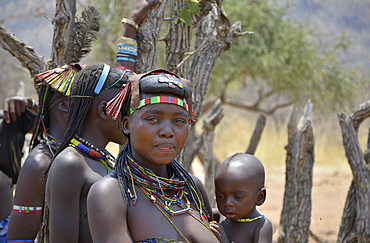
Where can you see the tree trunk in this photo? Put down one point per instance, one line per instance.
(355, 224)
(178, 42)
(148, 37)
(209, 162)
(296, 214)
(62, 47)
(256, 136)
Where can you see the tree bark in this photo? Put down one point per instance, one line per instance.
(62, 47)
(214, 35)
(296, 214)
(209, 162)
(178, 42)
(355, 224)
(148, 37)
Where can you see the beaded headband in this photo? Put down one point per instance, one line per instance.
(59, 79)
(158, 81)
(162, 99)
(102, 79)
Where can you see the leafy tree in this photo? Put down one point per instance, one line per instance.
(283, 58)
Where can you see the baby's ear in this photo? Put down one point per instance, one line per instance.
(261, 196)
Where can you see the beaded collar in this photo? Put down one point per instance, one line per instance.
(249, 219)
(103, 156)
(155, 187)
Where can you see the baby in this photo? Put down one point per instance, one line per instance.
(239, 183)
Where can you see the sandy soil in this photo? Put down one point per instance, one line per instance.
(329, 192)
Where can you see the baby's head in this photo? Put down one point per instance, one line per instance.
(239, 184)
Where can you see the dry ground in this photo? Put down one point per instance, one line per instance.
(331, 174)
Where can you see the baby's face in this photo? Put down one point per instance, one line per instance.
(236, 194)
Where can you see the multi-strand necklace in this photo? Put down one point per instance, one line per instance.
(103, 156)
(156, 188)
(49, 141)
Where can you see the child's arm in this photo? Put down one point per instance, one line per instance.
(107, 212)
(264, 232)
(219, 231)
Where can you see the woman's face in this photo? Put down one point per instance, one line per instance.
(157, 133)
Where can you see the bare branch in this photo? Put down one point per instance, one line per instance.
(256, 137)
(25, 54)
(256, 109)
(189, 54)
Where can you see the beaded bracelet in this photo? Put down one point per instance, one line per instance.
(127, 52)
(126, 59)
(20, 241)
(130, 22)
(127, 40)
(24, 209)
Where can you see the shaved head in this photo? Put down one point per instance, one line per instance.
(244, 166)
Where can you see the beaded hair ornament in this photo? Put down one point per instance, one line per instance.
(59, 79)
(156, 81)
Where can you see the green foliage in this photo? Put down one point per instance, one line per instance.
(185, 13)
(285, 57)
(111, 29)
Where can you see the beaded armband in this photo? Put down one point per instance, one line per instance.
(127, 49)
(25, 209)
(128, 41)
(20, 241)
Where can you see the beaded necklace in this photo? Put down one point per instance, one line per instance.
(250, 219)
(155, 187)
(49, 141)
(103, 156)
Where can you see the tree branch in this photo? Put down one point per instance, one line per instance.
(256, 109)
(25, 54)
(256, 137)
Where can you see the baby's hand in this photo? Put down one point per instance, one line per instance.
(219, 231)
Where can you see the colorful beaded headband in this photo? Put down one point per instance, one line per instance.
(162, 99)
(158, 81)
(59, 79)
(102, 79)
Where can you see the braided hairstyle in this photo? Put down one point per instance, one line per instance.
(82, 95)
(42, 119)
(150, 84)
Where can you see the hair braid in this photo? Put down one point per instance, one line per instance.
(45, 95)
